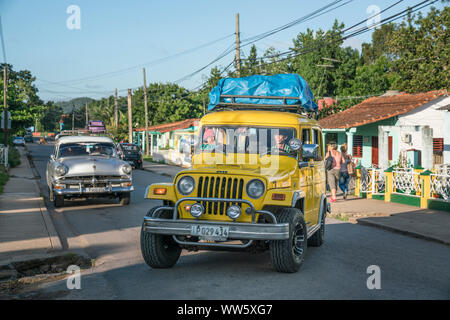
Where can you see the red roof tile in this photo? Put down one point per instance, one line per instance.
(379, 108)
(166, 127)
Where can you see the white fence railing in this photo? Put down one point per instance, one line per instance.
(372, 181)
(440, 186)
(4, 156)
(406, 181)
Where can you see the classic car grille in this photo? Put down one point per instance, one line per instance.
(219, 187)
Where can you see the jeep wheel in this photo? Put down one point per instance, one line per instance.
(288, 255)
(58, 201)
(318, 237)
(159, 251)
(124, 199)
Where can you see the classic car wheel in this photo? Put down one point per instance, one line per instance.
(58, 201)
(159, 251)
(318, 237)
(288, 255)
(124, 199)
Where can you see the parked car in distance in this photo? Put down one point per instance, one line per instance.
(29, 138)
(130, 153)
(87, 167)
(19, 141)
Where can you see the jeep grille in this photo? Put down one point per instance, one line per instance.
(219, 187)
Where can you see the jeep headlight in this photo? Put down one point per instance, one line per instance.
(255, 188)
(126, 168)
(186, 185)
(61, 170)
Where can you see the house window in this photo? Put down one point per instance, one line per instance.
(357, 146)
(438, 145)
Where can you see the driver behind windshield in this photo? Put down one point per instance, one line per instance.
(281, 141)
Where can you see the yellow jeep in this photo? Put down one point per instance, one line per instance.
(257, 181)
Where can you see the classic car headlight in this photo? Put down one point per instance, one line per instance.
(186, 185)
(61, 170)
(126, 168)
(255, 188)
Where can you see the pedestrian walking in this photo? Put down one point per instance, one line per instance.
(344, 177)
(333, 174)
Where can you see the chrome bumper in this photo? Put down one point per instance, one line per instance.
(237, 231)
(81, 191)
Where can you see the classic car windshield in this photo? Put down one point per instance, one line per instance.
(86, 149)
(245, 139)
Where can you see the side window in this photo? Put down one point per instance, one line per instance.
(317, 139)
(306, 136)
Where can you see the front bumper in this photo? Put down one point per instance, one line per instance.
(83, 191)
(237, 230)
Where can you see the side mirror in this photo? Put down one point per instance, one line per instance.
(310, 151)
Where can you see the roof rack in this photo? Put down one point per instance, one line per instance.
(233, 105)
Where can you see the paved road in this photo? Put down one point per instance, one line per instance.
(410, 268)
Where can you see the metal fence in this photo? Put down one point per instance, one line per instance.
(372, 181)
(440, 186)
(4, 156)
(406, 181)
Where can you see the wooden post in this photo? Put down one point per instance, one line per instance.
(87, 116)
(5, 108)
(116, 111)
(130, 119)
(238, 47)
(146, 116)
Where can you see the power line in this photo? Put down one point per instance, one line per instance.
(129, 69)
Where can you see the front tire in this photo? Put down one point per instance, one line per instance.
(58, 201)
(124, 199)
(288, 255)
(159, 251)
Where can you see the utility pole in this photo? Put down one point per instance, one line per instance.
(116, 110)
(73, 120)
(130, 119)
(5, 108)
(87, 116)
(146, 116)
(238, 47)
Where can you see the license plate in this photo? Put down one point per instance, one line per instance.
(95, 190)
(131, 163)
(206, 232)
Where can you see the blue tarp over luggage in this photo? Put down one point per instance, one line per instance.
(280, 85)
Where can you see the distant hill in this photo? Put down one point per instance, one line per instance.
(67, 106)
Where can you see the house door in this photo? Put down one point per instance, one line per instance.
(375, 150)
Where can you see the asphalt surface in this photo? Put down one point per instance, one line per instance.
(410, 268)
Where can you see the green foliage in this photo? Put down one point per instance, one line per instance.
(22, 99)
(3, 178)
(13, 157)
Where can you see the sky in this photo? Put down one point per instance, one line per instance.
(116, 39)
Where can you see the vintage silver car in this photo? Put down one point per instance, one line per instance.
(87, 167)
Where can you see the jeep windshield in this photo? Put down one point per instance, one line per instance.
(246, 139)
(86, 149)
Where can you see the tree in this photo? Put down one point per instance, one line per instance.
(422, 52)
(22, 99)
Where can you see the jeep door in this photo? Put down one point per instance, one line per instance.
(319, 176)
(307, 182)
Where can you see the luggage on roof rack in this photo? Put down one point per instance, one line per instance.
(281, 92)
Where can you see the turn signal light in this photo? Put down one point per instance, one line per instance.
(278, 196)
(159, 191)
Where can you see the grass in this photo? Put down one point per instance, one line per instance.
(150, 159)
(3, 178)
(13, 157)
